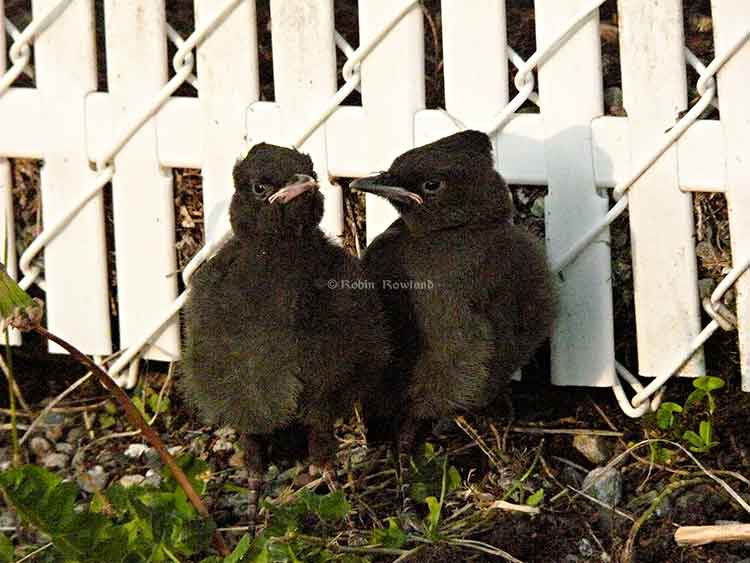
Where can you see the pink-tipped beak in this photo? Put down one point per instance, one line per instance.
(303, 183)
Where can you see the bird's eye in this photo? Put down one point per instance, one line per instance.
(258, 188)
(432, 186)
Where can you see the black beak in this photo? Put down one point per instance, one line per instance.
(378, 185)
(301, 183)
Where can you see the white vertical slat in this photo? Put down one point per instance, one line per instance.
(225, 92)
(583, 339)
(474, 92)
(75, 262)
(661, 216)
(141, 188)
(731, 20)
(7, 235)
(392, 92)
(304, 75)
(7, 238)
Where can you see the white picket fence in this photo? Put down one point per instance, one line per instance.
(137, 130)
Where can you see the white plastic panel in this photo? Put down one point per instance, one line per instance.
(732, 19)
(7, 238)
(661, 216)
(225, 92)
(392, 92)
(583, 339)
(75, 262)
(304, 74)
(474, 92)
(141, 188)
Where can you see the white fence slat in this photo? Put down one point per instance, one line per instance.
(474, 92)
(225, 91)
(661, 216)
(731, 19)
(75, 262)
(392, 92)
(583, 338)
(141, 188)
(304, 75)
(7, 235)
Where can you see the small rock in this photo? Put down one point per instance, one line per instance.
(130, 480)
(585, 548)
(604, 484)
(595, 448)
(55, 460)
(175, 450)
(222, 445)
(134, 451)
(93, 480)
(571, 476)
(152, 478)
(65, 448)
(40, 446)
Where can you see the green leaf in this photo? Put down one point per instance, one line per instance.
(696, 442)
(196, 470)
(392, 536)
(239, 552)
(12, 296)
(6, 550)
(433, 517)
(695, 397)
(708, 383)
(665, 415)
(106, 421)
(138, 402)
(329, 507)
(454, 479)
(536, 498)
(705, 429)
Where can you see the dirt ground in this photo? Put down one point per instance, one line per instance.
(537, 449)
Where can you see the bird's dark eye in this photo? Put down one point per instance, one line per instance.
(258, 188)
(431, 186)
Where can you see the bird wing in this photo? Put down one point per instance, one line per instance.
(519, 296)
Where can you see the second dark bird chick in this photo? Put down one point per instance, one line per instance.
(269, 341)
(468, 296)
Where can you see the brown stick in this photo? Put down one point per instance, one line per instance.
(135, 418)
(701, 535)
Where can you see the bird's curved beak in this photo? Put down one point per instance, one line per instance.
(300, 184)
(378, 185)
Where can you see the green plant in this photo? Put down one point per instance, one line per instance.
(139, 523)
(675, 419)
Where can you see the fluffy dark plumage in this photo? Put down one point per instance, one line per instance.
(268, 342)
(468, 296)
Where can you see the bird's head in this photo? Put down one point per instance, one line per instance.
(275, 192)
(444, 184)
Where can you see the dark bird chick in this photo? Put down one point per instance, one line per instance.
(269, 342)
(468, 296)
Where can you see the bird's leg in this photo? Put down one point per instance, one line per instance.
(254, 465)
(406, 437)
(322, 446)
